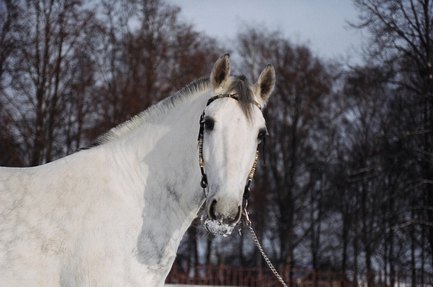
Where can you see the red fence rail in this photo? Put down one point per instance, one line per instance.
(253, 276)
(295, 277)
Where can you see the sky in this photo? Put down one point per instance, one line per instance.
(320, 24)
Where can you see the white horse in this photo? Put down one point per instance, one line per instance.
(114, 214)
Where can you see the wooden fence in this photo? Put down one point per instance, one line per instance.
(222, 275)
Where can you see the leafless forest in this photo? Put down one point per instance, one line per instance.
(345, 182)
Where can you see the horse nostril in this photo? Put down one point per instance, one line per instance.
(212, 214)
(238, 216)
(233, 220)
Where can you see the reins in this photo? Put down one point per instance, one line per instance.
(247, 190)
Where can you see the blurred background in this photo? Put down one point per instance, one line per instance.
(344, 191)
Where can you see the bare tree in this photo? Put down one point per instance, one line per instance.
(402, 40)
(303, 84)
(44, 45)
(148, 54)
(9, 25)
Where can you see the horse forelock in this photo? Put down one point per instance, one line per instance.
(242, 88)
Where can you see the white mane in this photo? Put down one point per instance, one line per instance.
(152, 113)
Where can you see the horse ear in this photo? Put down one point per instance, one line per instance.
(265, 84)
(220, 71)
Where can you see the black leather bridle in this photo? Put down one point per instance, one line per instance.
(204, 182)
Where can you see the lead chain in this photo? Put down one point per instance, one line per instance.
(259, 246)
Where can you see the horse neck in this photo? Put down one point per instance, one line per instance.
(162, 158)
(164, 149)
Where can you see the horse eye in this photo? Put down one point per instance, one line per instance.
(209, 123)
(262, 134)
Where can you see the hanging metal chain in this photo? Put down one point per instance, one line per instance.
(259, 246)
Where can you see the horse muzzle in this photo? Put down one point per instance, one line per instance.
(222, 216)
(229, 216)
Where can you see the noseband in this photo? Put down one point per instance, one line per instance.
(204, 182)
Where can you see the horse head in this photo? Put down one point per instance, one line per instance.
(232, 127)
